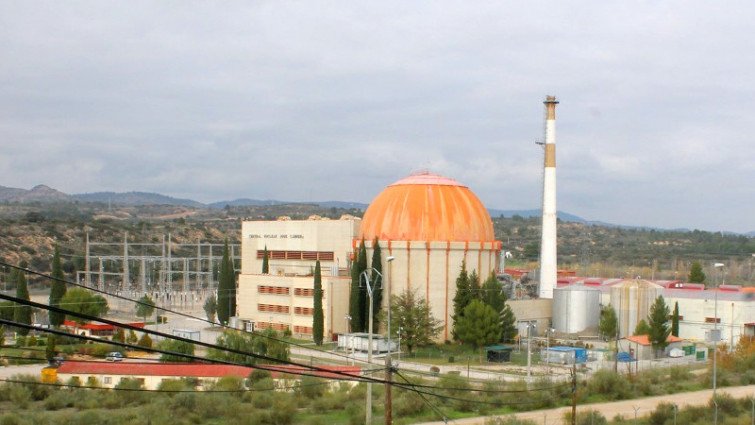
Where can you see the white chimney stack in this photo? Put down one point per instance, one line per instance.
(548, 260)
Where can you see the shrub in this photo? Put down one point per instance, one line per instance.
(608, 385)
(59, 400)
(20, 396)
(145, 341)
(311, 387)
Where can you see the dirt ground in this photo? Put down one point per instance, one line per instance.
(626, 408)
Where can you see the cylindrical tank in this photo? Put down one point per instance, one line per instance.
(632, 299)
(576, 308)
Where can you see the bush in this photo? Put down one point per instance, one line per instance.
(20, 396)
(311, 387)
(608, 385)
(59, 400)
(145, 341)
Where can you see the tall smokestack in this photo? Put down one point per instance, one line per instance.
(548, 261)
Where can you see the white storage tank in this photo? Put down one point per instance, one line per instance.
(632, 299)
(576, 308)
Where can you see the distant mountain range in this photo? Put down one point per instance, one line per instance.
(45, 194)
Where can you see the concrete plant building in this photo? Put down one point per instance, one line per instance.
(428, 223)
(283, 298)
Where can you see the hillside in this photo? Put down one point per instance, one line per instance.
(28, 233)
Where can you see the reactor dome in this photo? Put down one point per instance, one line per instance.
(427, 207)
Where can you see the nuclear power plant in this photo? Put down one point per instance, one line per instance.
(427, 226)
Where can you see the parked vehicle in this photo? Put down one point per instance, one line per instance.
(114, 357)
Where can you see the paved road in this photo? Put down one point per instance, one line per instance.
(625, 408)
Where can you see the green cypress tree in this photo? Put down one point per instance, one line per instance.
(355, 294)
(363, 295)
(675, 320)
(377, 284)
(317, 315)
(57, 289)
(22, 313)
(265, 261)
(226, 288)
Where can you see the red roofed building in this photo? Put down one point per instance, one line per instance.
(642, 348)
(95, 329)
(109, 374)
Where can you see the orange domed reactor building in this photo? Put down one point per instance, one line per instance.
(430, 225)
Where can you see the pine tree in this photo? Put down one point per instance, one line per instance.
(479, 326)
(413, 320)
(22, 313)
(317, 315)
(462, 298)
(642, 328)
(226, 288)
(377, 284)
(609, 322)
(658, 323)
(265, 261)
(675, 320)
(57, 289)
(491, 293)
(508, 324)
(696, 274)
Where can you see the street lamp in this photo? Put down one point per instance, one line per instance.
(370, 289)
(715, 326)
(548, 331)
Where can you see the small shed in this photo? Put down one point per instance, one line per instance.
(498, 354)
(566, 355)
(641, 348)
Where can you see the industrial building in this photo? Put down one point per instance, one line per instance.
(428, 224)
(577, 302)
(283, 298)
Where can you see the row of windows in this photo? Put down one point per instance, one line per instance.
(712, 320)
(308, 311)
(282, 290)
(303, 330)
(277, 290)
(297, 255)
(277, 326)
(272, 308)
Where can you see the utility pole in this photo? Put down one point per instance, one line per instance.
(574, 391)
(388, 360)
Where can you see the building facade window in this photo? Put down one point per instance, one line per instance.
(272, 308)
(297, 255)
(275, 290)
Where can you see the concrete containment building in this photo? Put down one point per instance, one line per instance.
(431, 224)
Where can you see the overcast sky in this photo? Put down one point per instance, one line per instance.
(320, 100)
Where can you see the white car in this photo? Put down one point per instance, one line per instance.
(114, 357)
